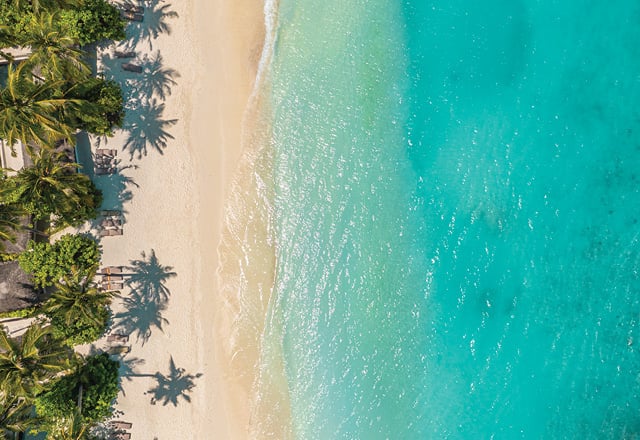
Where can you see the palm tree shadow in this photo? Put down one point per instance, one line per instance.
(148, 277)
(128, 365)
(155, 79)
(153, 24)
(141, 316)
(147, 129)
(175, 385)
(116, 188)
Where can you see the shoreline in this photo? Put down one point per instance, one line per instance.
(173, 201)
(239, 30)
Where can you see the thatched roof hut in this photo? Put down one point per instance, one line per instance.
(16, 290)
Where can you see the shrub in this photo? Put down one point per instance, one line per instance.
(99, 381)
(82, 330)
(94, 21)
(49, 262)
(21, 313)
(105, 108)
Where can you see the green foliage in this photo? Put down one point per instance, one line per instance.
(73, 427)
(77, 309)
(54, 54)
(21, 313)
(52, 187)
(50, 262)
(29, 111)
(94, 21)
(104, 109)
(10, 215)
(81, 330)
(4, 257)
(15, 415)
(28, 364)
(98, 380)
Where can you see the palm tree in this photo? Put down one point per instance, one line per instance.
(53, 53)
(28, 363)
(53, 187)
(15, 415)
(73, 427)
(29, 112)
(36, 5)
(9, 221)
(7, 39)
(78, 299)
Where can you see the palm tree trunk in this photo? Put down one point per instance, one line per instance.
(80, 399)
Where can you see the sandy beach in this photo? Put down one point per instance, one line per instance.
(177, 153)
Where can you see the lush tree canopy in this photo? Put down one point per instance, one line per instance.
(29, 111)
(77, 309)
(93, 21)
(28, 365)
(52, 187)
(85, 21)
(51, 262)
(97, 380)
(106, 109)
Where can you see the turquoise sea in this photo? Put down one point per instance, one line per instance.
(455, 208)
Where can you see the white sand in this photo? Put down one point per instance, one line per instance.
(176, 210)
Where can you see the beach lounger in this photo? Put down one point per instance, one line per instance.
(122, 436)
(108, 270)
(132, 16)
(111, 222)
(119, 424)
(106, 152)
(122, 339)
(133, 8)
(119, 349)
(130, 67)
(113, 232)
(109, 286)
(128, 54)
(110, 212)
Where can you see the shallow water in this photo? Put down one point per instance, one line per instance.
(455, 219)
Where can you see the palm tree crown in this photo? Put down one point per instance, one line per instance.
(29, 362)
(9, 220)
(77, 298)
(29, 111)
(52, 186)
(53, 53)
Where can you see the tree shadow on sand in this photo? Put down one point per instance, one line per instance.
(155, 22)
(176, 385)
(149, 277)
(148, 298)
(144, 95)
(146, 129)
(142, 315)
(116, 187)
(155, 80)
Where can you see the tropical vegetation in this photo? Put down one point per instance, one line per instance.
(45, 100)
(29, 364)
(10, 222)
(49, 263)
(77, 309)
(90, 389)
